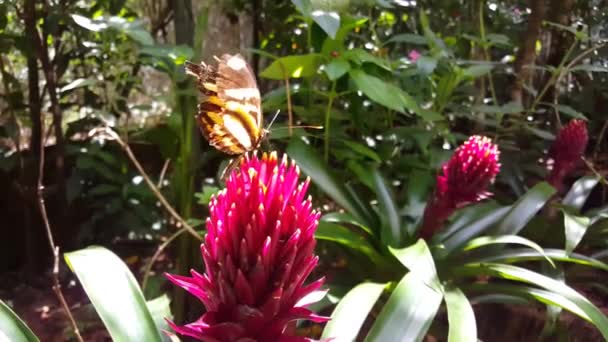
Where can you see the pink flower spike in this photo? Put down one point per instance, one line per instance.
(414, 55)
(258, 252)
(463, 180)
(566, 152)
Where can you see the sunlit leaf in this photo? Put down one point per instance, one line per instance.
(463, 327)
(309, 161)
(580, 191)
(418, 259)
(347, 237)
(408, 313)
(351, 311)
(378, 90)
(575, 229)
(114, 293)
(525, 209)
(392, 232)
(294, 66)
(336, 69)
(12, 328)
(328, 21)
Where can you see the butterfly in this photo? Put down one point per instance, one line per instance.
(230, 116)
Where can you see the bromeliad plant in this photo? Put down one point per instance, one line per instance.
(467, 258)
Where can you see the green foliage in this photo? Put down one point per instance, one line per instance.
(116, 295)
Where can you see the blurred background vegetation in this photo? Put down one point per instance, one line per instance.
(396, 85)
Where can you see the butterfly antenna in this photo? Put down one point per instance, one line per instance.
(273, 118)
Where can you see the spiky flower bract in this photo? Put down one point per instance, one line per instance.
(258, 253)
(567, 151)
(463, 180)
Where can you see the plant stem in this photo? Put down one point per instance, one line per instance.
(159, 250)
(555, 75)
(486, 55)
(330, 102)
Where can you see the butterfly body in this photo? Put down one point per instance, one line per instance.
(230, 116)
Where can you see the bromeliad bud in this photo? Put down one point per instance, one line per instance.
(463, 180)
(566, 152)
(258, 252)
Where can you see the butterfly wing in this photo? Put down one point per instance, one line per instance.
(230, 117)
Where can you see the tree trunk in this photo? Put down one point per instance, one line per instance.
(33, 235)
(527, 50)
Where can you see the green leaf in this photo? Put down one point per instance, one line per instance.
(409, 38)
(346, 218)
(351, 312)
(294, 66)
(419, 260)
(504, 239)
(392, 233)
(508, 108)
(78, 83)
(362, 150)
(525, 255)
(478, 70)
(160, 309)
(328, 21)
(590, 68)
(360, 56)
(91, 25)
(179, 54)
(525, 209)
(461, 317)
(347, 237)
(580, 191)
(377, 90)
(303, 6)
(309, 161)
(571, 112)
(336, 69)
(12, 328)
(468, 223)
(408, 313)
(426, 64)
(575, 229)
(114, 293)
(527, 292)
(583, 307)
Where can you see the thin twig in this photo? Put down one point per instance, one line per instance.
(54, 248)
(288, 94)
(112, 135)
(566, 70)
(163, 171)
(159, 250)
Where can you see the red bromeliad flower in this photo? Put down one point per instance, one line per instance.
(463, 180)
(566, 151)
(258, 252)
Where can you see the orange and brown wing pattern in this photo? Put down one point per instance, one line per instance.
(230, 116)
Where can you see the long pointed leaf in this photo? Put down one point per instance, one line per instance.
(463, 327)
(525, 209)
(585, 308)
(470, 224)
(308, 160)
(504, 239)
(350, 314)
(12, 328)
(114, 293)
(419, 260)
(408, 313)
(392, 233)
(580, 191)
(342, 235)
(524, 255)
